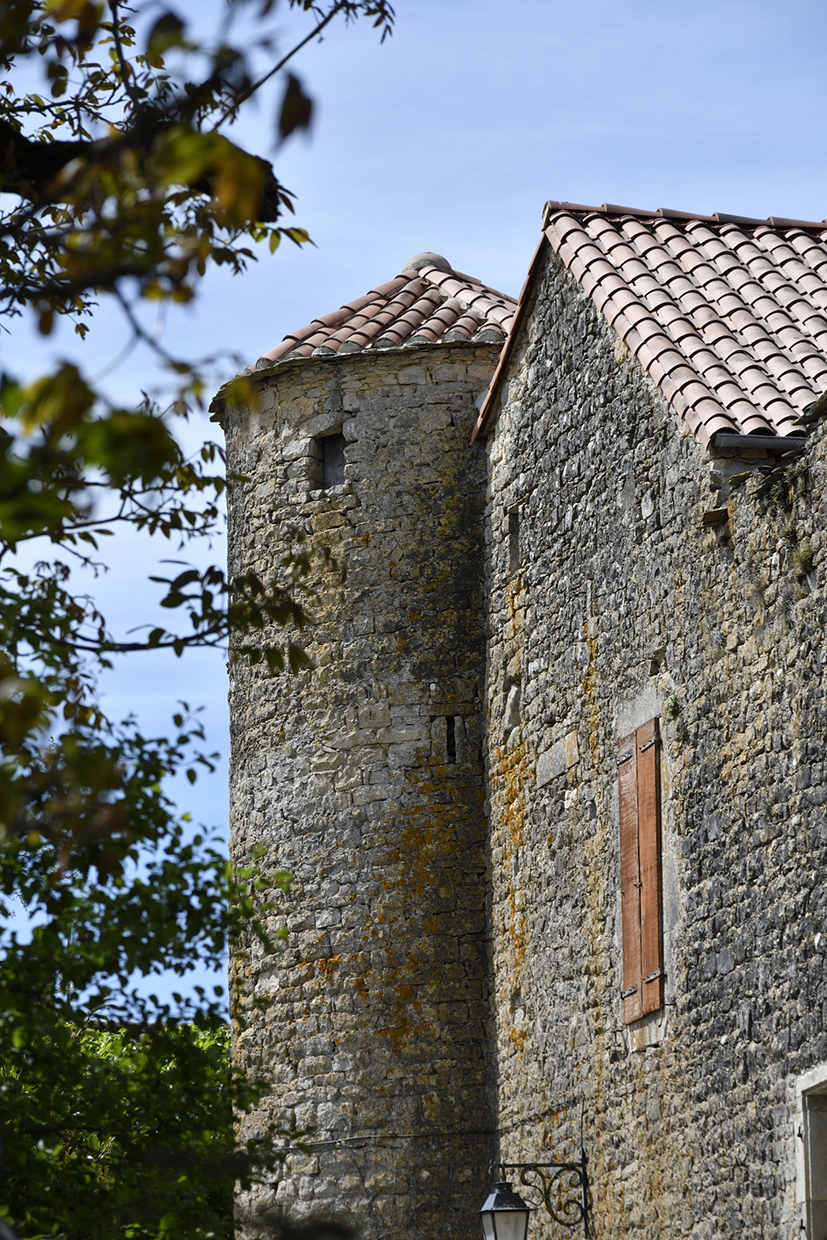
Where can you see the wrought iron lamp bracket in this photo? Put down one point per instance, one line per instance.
(560, 1188)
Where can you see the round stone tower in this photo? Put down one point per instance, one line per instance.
(362, 776)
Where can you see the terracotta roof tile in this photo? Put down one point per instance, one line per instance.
(429, 305)
(725, 311)
(727, 314)
(466, 326)
(441, 321)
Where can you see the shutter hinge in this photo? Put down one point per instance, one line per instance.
(648, 744)
(630, 990)
(625, 758)
(653, 976)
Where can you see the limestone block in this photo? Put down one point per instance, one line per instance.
(556, 761)
(375, 715)
(329, 760)
(402, 735)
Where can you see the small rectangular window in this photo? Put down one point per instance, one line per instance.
(333, 461)
(640, 871)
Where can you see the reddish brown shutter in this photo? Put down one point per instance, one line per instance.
(648, 811)
(640, 872)
(629, 877)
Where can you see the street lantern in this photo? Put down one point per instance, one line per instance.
(504, 1216)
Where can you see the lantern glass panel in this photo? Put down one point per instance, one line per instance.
(488, 1229)
(511, 1224)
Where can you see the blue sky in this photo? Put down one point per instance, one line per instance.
(449, 137)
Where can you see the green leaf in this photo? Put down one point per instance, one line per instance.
(296, 110)
(167, 32)
(11, 397)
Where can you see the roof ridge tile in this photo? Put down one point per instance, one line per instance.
(609, 209)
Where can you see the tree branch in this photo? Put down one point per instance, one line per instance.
(244, 95)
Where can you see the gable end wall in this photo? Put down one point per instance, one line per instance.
(624, 606)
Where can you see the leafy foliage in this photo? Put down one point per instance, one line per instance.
(121, 186)
(116, 1112)
(163, 1100)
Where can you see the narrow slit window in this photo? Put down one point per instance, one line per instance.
(451, 738)
(513, 541)
(333, 461)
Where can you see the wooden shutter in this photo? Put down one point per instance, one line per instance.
(629, 877)
(640, 871)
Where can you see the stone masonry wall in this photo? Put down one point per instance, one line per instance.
(611, 602)
(363, 779)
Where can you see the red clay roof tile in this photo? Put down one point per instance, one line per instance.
(489, 334)
(429, 305)
(727, 314)
(758, 347)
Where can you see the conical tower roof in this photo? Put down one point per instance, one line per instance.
(427, 303)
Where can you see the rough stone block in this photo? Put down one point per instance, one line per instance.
(556, 761)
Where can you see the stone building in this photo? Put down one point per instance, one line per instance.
(553, 794)
(364, 777)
